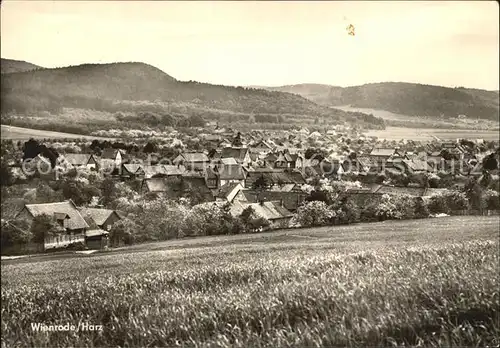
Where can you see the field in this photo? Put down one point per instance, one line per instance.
(18, 133)
(430, 282)
(429, 134)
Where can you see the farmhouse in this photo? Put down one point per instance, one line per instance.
(273, 211)
(291, 200)
(228, 192)
(240, 154)
(230, 174)
(81, 160)
(66, 215)
(192, 160)
(113, 154)
(104, 218)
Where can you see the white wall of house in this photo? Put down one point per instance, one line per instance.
(62, 240)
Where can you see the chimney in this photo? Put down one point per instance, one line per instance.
(281, 202)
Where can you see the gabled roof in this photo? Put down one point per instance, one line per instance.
(231, 172)
(195, 157)
(238, 153)
(78, 159)
(98, 215)
(396, 190)
(110, 153)
(262, 143)
(228, 161)
(270, 210)
(156, 184)
(226, 189)
(291, 200)
(416, 165)
(383, 152)
(166, 170)
(132, 168)
(75, 221)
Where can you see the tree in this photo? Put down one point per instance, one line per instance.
(490, 162)
(78, 192)
(261, 183)
(421, 209)
(474, 193)
(196, 121)
(108, 191)
(150, 147)
(315, 213)
(123, 231)
(6, 177)
(44, 226)
(15, 233)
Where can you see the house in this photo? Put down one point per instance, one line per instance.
(261, 146)
(66, 215)
(291, 200)
(116, 155)
(154, 185)
(240, 154)
(131, 171)
(415, 165)
(104, 218)
(273, 211)
(228, 192)
(81, 160)
(397, 190)
(95, 237)
(436, 163)
(163, 170)
(384, 153)
(283, 160)
(192, 161)
(230, 174)
(274, 176)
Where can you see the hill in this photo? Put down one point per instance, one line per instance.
(404, 98)
(11, 66)
(141, 87)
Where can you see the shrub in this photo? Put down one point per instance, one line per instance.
(315, 213)
(456, 200)
(345, 212)
(438, 205)
(492, 200)
(125, 232)
(421, 211)
(387, 209)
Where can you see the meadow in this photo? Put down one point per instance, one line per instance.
(430, 282)
(430, 134)
(20, 133)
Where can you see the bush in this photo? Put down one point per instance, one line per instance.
(421, 210)
(456, 200)
(387, 209)
(208, 219)
(125, 232)
(345, 212)
(438, 205)
(492, 200)
(315, 213)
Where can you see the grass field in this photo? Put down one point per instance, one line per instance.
(422, 282)
(428, 134)
(18, 133)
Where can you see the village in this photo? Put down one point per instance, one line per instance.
(61, 194)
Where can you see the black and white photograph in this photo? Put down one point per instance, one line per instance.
(250, 174)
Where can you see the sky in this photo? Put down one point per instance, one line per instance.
(449, 43)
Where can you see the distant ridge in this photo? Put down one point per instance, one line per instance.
(138, 87)
(12, 66)
(404, 98)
